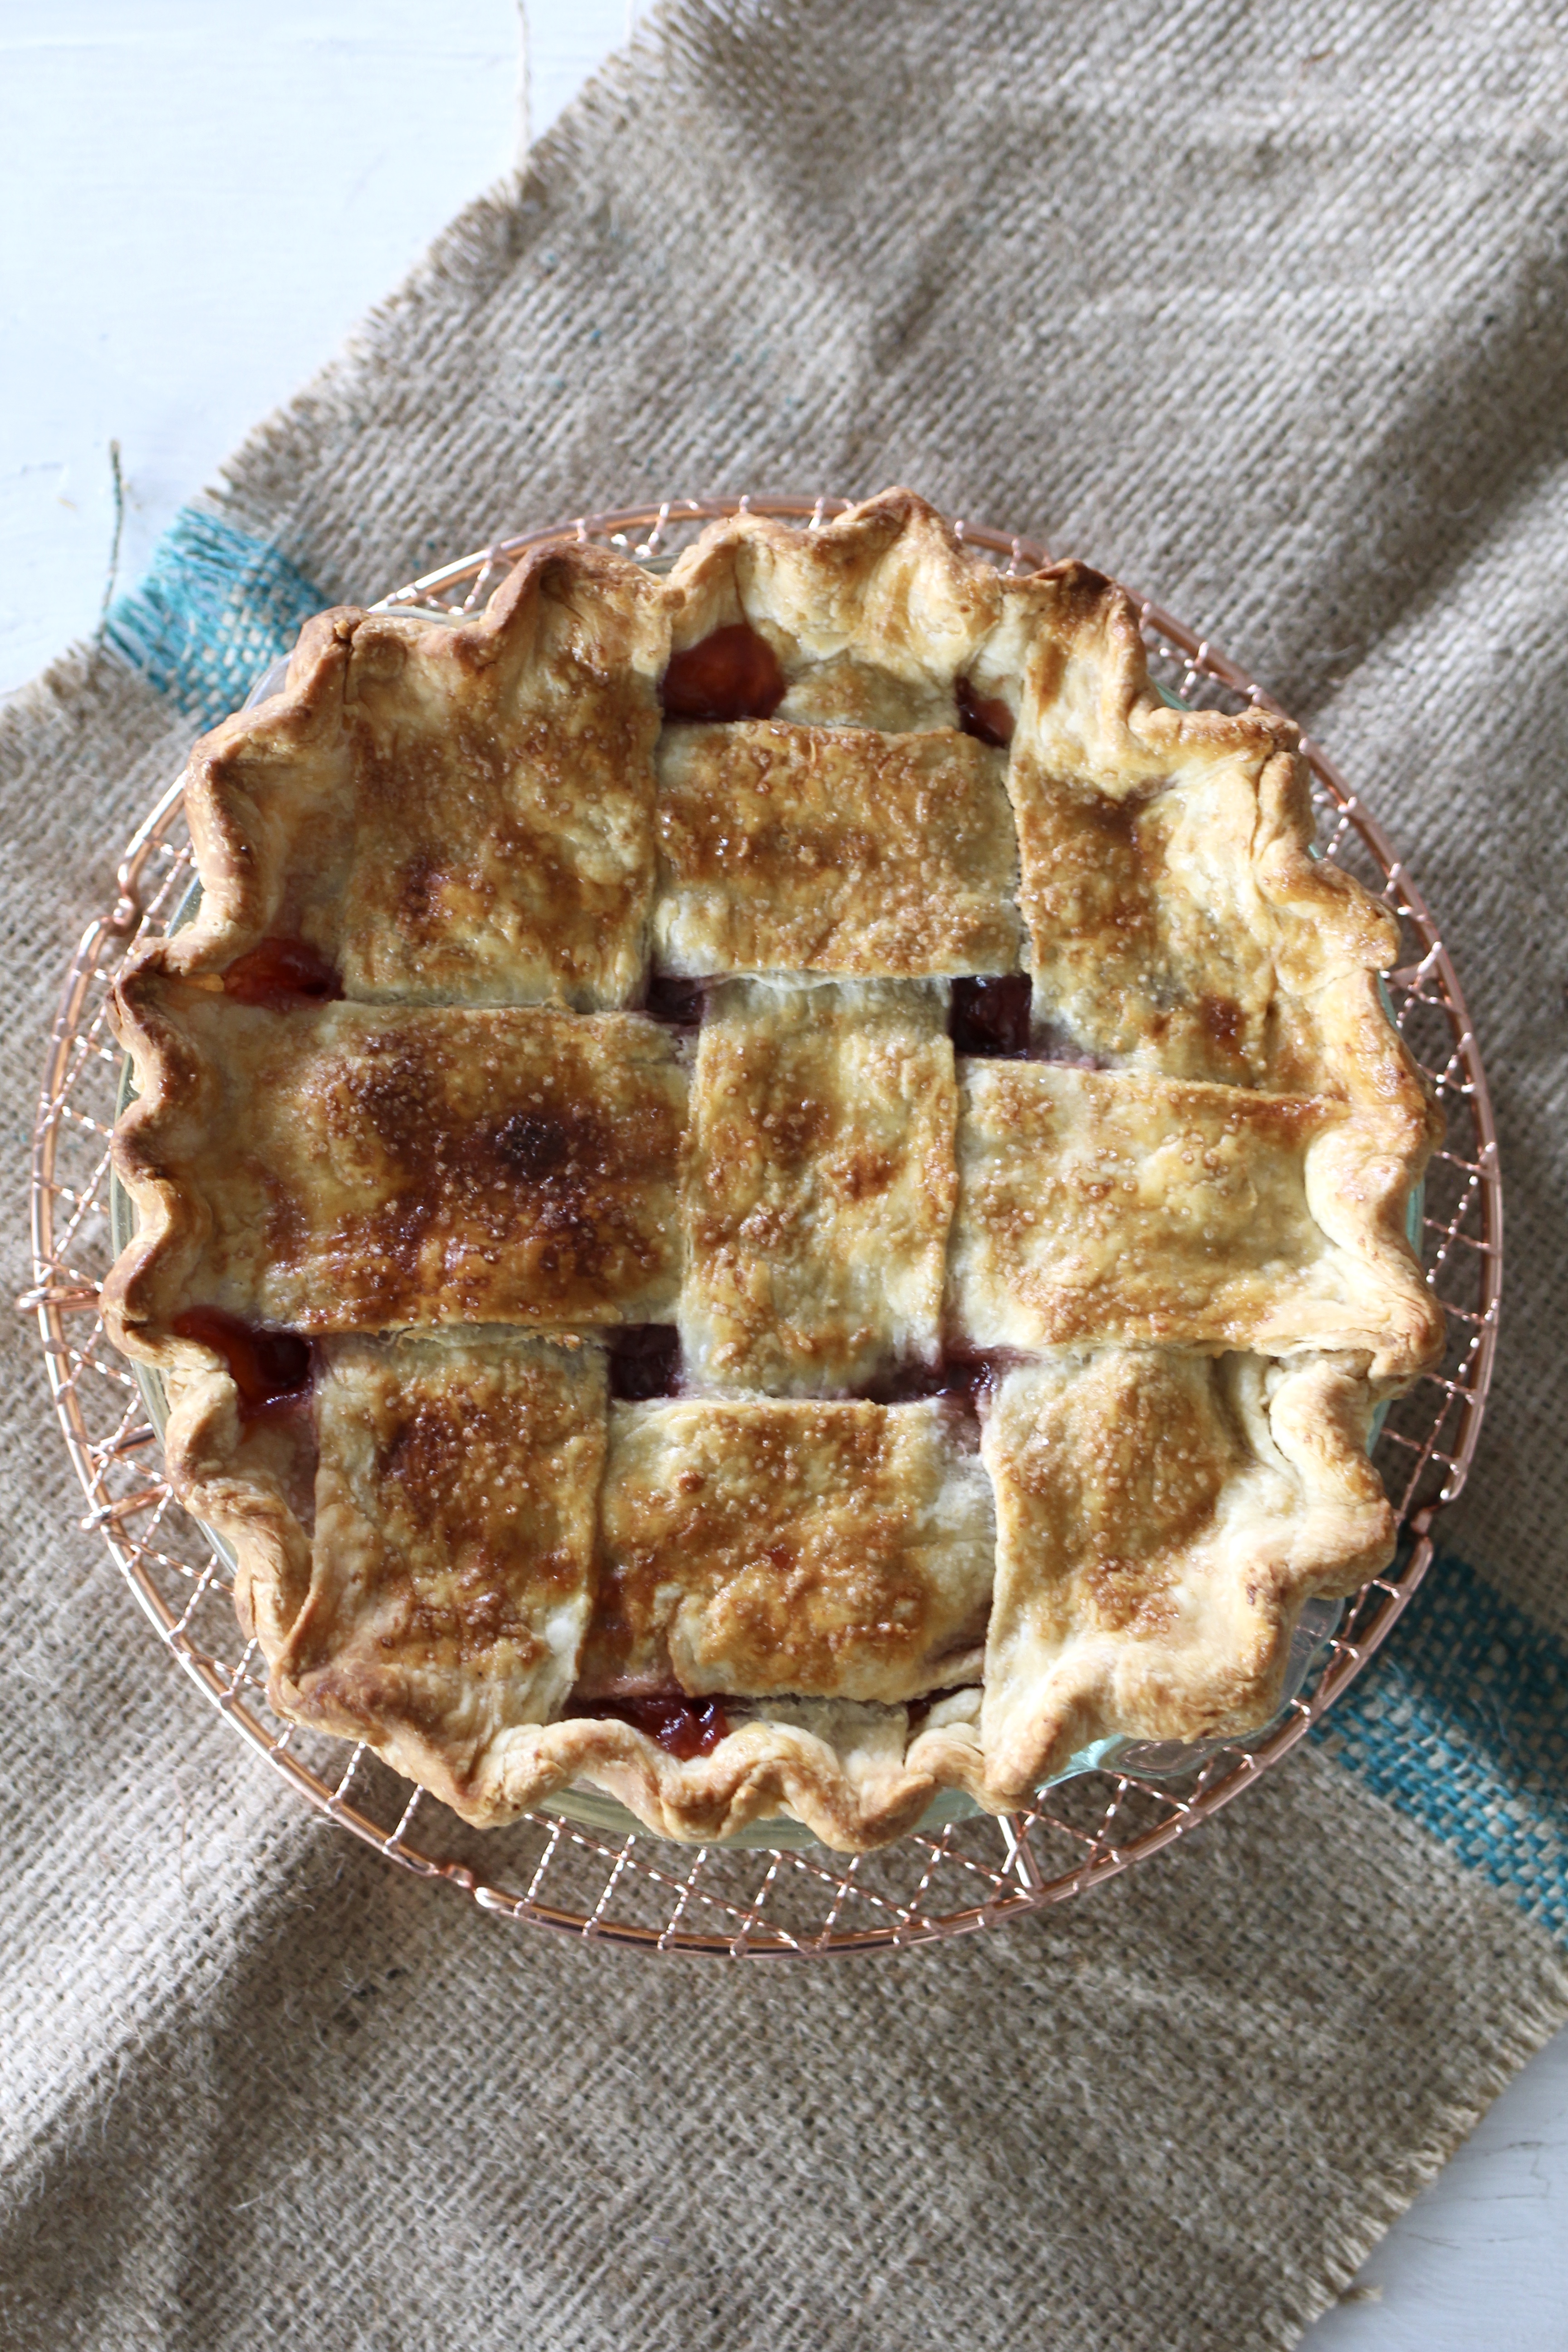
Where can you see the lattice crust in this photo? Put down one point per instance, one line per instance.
(809, 1550)
(452, 1566)
(1154, 1273)
(461, 815)
(820, 1185)
(1166, 887)
(340, 1167)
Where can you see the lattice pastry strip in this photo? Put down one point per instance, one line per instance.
(839, 1550)
(341, 1167)
(452, 816)
(820, 1182)
(1099, 1206)
(451, 1565)
(833, 849)
(1153, 1511)
(1068, 1364)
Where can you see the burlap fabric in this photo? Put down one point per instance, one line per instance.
(1264, 307)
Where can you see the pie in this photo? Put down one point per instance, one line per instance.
(775, 1188)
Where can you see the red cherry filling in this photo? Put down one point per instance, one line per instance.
(683, 1728)
(963, 1378)
(985, 716)
(679, 1002)
(271, 1369)
(733, 673)
(991, 1016)
(645, 1360)
(280, 972)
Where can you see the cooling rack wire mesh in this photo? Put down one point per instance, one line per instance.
(639, 1890)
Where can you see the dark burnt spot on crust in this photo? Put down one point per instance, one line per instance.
(419, 894)
(533, 1146)
(524, 1168)
(1118, 818)
(478, 1166)
(424, 1453)
(1084, 590)
(862, 1173)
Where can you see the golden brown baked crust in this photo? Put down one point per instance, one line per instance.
(1022, 1398)
(833, 849)
(1113, 1205)
(451, 815)
(345, 1166)
(453, 1554)
(839, 1550)
(820, 1186)
(1153, 1510)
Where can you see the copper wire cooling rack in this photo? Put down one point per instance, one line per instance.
(640, 1890)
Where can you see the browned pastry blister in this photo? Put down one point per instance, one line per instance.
(777, 1191)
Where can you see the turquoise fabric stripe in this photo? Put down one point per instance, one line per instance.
(217, 609)
(1461, 1722)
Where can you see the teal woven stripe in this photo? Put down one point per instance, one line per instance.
(215, 610)
(1462, 1723)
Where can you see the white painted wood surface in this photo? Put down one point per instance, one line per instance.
(196, 200)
